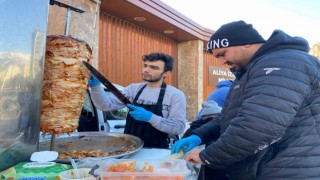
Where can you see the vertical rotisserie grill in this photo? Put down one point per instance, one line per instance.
(64, 84)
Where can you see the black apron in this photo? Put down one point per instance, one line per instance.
(151, 136)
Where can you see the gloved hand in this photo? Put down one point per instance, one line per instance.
(190, 142)
(139, 113)
(93, 81)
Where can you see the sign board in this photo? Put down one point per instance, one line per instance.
(217, 74)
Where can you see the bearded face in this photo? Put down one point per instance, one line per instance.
(153, 71)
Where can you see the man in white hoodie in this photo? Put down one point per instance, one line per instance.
(157, 110)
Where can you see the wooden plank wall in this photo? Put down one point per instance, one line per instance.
(122, 45)
(209, 60)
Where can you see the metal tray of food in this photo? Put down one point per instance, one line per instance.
(93, 144)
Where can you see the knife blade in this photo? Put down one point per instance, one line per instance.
(107, 83)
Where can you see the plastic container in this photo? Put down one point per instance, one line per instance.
(35, 170)
(162, 170)
(70, 174)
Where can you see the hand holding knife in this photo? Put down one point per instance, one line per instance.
(107, 84)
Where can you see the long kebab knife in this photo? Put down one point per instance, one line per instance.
(107, 84)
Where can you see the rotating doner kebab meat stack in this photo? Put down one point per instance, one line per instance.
(64, 84)
(64, 91)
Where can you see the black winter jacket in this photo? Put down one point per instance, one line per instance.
(270, 127)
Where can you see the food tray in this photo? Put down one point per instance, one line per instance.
(176, 169)
(114, 143)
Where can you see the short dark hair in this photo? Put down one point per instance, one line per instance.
(168, 60)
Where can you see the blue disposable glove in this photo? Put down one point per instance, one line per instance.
(93, 81)
(139, 113)
(190, 142)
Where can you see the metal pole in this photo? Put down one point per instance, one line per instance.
(53, 139)
(67, 22)
(94, 25)
(66, 30)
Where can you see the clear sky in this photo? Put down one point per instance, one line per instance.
(295, 17)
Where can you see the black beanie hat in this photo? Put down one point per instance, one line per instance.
(234, 34)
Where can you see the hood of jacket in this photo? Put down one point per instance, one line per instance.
(278, 40)
(226, 83)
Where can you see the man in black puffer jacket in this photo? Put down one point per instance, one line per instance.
(270, 124)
